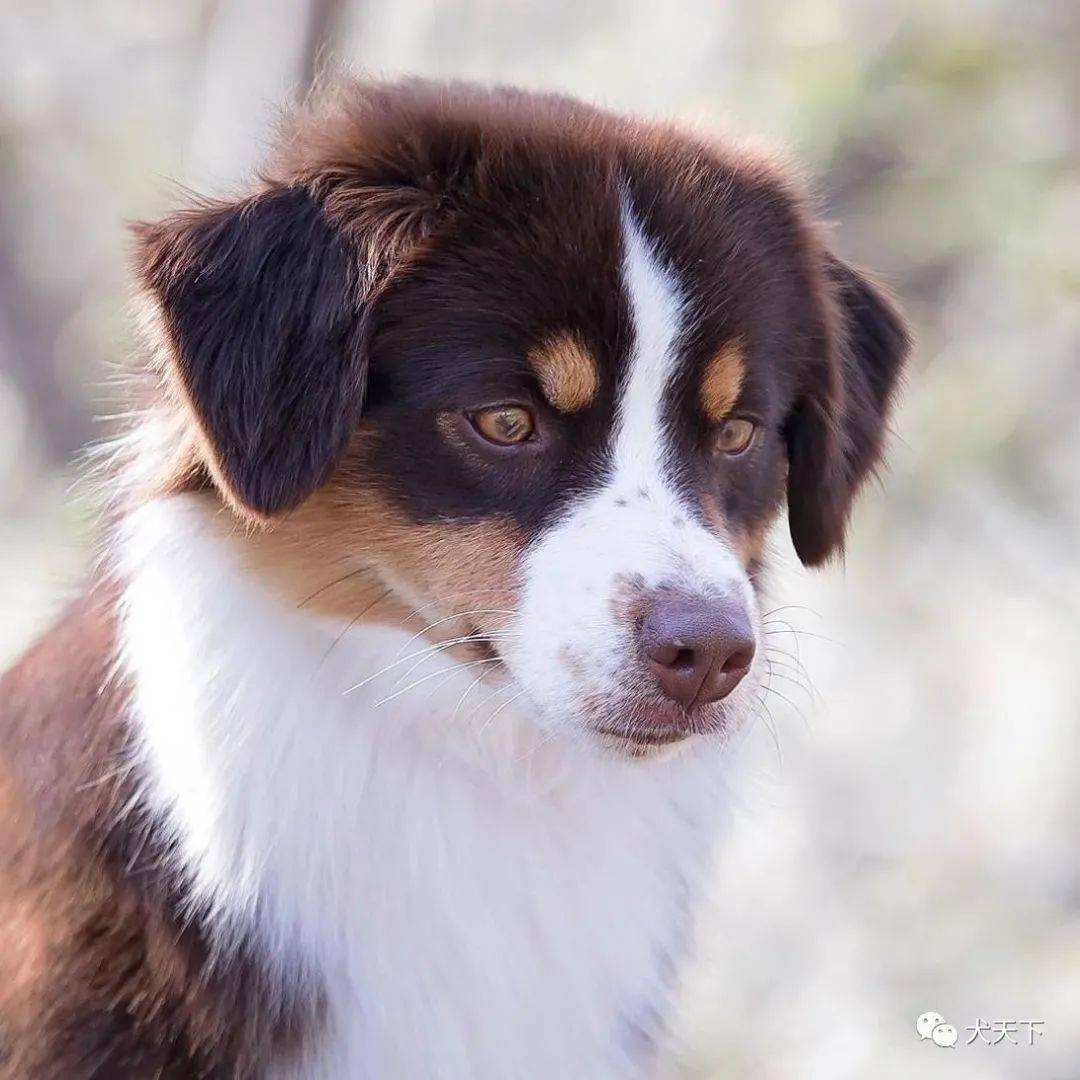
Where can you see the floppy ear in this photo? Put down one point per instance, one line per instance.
(260, 308)
(836, 431)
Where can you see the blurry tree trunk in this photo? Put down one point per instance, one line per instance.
(28, 329)
(248, 76)
(324, 28)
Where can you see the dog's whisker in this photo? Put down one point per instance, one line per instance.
(461, 700)
(457, 615)
(811, 698)
(438, 603)
(435, 675)
(492, 695)
(766, 718)
(352, 622)
(787, 628)
(491, 719)
(777, 669)
(430, 650)
(448, 674)
(789, 662)
(337, 581)
(791, 704)
(429, 654)
(790, 607)
(784, 662)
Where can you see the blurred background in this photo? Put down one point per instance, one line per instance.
(910, 835)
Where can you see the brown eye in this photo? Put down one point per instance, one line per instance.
(734, 435)
(504, 425)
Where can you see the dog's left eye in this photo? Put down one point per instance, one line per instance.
(734, 435)
(504, 425)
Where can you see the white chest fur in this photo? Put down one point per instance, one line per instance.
(472, 900)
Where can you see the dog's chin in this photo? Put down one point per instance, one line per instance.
(650, 729)
(639, 744)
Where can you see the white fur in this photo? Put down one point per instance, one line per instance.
(465, 922)
(476, 894)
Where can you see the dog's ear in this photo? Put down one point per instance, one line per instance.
(836, 431)
(264, 338)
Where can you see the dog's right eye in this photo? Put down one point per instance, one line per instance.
(734, 435)
(504, 425)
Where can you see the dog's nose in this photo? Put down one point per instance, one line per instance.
(698, 649)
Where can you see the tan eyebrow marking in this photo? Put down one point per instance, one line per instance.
(722, 380)
(567, 371)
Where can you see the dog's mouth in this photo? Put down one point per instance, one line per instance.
(644, 738)
(645, 724)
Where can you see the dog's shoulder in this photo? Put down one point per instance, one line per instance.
(67, 939)
(99, 975)
(60, 706)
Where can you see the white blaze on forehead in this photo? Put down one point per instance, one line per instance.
(656, 306)
(572, 639)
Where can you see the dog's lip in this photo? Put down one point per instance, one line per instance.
(644, 737)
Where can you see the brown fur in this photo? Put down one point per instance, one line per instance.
(722, 381)
(348, 550)
(567, 372)
(98, 977)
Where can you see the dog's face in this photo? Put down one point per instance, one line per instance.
(535, 377)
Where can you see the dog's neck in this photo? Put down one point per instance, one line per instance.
(449, 879)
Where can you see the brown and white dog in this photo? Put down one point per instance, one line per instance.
(391, 740)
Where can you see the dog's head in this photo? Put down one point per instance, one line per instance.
(534, 376)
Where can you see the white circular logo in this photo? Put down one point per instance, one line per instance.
(927, 1022)
(932, 1026)
(944, 1035)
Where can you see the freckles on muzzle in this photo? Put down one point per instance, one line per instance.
(636, 624)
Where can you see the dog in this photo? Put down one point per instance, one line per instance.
(393, 735)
